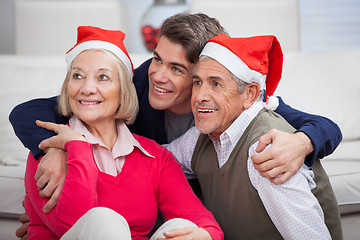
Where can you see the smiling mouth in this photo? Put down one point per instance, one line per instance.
(206, 110)
(161, 90)
(89, 103)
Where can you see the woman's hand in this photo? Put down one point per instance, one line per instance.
(187, 233)
(64, 135)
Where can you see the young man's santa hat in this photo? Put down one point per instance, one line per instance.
(96, 38)
(253, 59)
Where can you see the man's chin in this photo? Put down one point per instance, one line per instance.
(158, 104)
(204, 130)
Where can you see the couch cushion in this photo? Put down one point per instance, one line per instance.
(25, 78)
(12, 186)
(344, 176)
(343, 168)
(324, 83)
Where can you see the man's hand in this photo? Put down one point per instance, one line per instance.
(50, 176)
(21, 232)
(187, 233)
(285, 156)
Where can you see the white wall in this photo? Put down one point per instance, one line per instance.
(7, 45)
(325, 24)
(329, 24)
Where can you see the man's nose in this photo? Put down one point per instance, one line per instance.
(161, 74)
(201, 94)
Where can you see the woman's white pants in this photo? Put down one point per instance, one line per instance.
(103, 223)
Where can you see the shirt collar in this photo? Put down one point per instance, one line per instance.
(124, 144)
(237, 128)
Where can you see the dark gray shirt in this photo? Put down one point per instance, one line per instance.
(177, 124)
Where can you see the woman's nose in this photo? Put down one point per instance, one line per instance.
(88, 87)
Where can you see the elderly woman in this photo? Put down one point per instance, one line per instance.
(116, 181)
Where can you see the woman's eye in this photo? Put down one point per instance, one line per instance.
(77, 76)
(104, 77)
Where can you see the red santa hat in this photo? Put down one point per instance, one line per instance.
(96, 38)
(253, 59)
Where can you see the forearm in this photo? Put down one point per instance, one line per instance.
(323, 133)
(23, 118)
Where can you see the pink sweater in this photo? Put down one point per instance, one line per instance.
(144, 185)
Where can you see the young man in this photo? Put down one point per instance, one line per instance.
(163, 86)
(230, 118)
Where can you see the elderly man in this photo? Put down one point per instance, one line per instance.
(230, 118)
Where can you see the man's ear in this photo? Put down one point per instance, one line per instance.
(252, 92)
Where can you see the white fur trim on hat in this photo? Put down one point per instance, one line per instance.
(70, 56)
(233, 63)
(272, 103)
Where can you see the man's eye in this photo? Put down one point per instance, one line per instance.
(196, 82)
(157, 59)
(217, 84)
(176, 69)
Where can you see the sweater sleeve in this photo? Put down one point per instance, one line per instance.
(78, 194)
(23, 118)
(324, 134)
(36, 228)
(176, 198)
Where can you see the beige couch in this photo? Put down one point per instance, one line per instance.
(327, 84)
(320, 83)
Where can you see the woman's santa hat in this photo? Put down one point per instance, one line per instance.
(96, 38)
(253, 59)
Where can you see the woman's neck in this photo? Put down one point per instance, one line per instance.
(106, 131)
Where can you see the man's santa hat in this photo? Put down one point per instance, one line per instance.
(96, 38)
(253, 59)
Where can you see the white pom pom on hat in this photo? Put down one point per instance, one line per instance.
(271, 103)
(256, 59)
(90, 37)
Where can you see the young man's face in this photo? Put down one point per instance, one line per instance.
(216, 102)
(170, 78)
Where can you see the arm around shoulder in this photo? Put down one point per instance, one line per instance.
(23, 117)
(325, 135)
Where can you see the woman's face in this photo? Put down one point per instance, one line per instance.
(94, 87)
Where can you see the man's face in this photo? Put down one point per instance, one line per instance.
(215, 100)
(170, 78)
